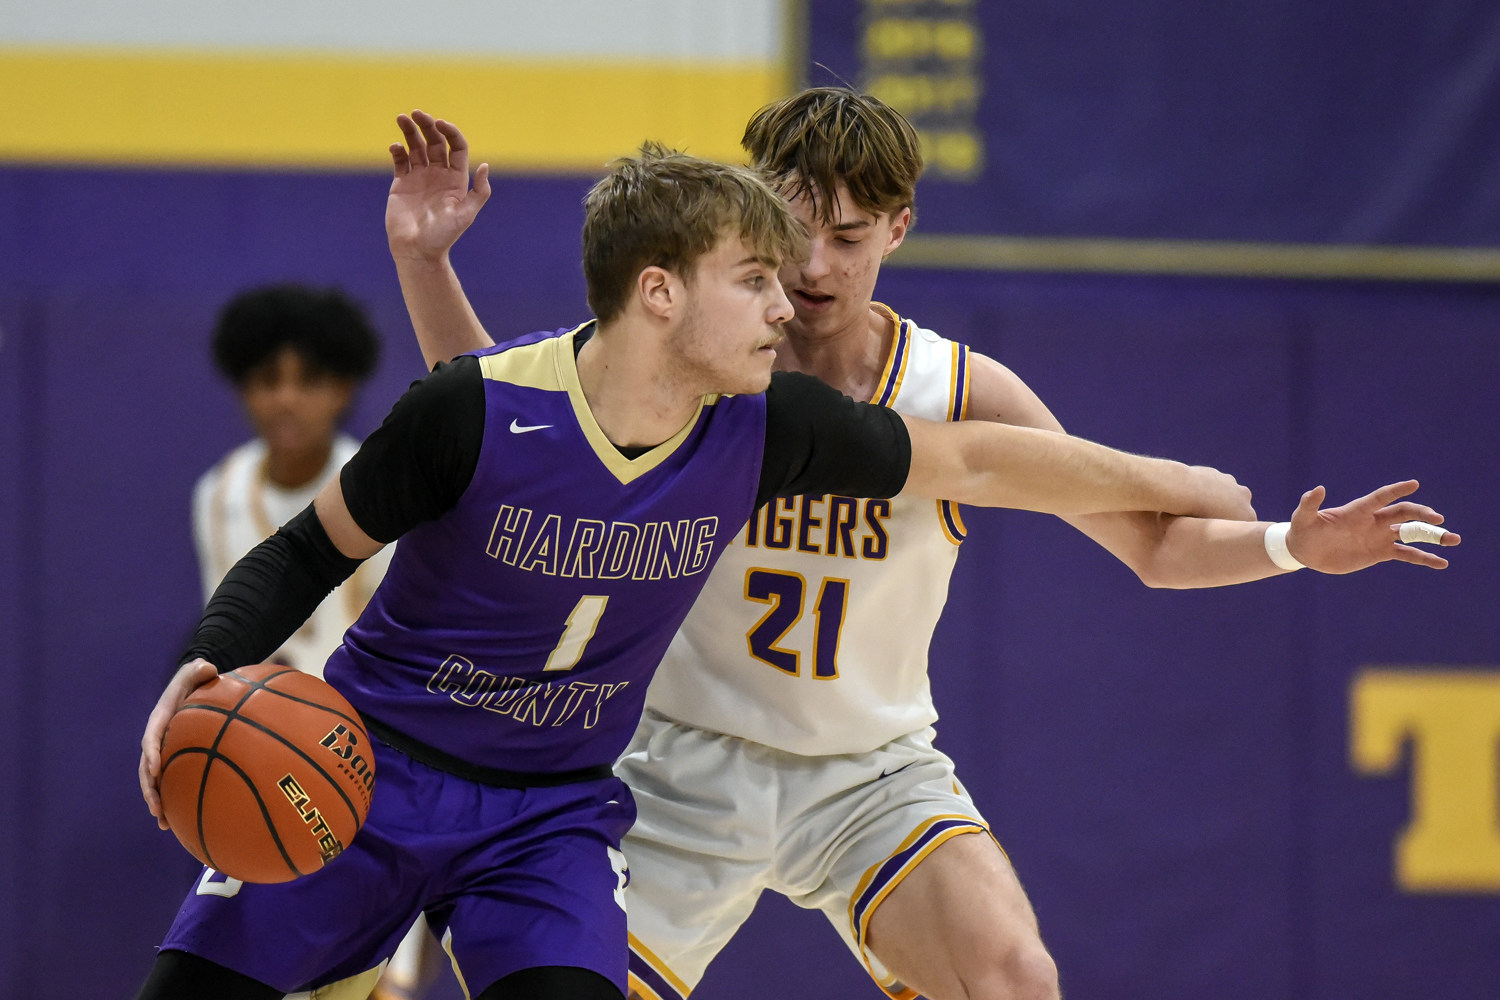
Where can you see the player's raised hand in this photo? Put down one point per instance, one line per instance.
(189, 677)
(1366, 531)
(431, 201)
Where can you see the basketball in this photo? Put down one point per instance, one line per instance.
(266, 773)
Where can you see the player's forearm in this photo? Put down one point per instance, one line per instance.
(445, 323)
(268, 594)
(997, 465)
(1183, 552)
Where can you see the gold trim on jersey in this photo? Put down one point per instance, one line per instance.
(534, 366)
(958, 384)
(949, 515)
(888, 387)
(551, 364)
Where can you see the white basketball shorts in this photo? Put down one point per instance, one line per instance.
(722, 819)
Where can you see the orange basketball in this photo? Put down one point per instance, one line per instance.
(266, 773)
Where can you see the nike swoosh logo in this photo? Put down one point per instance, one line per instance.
(516, 428)
(887, 774)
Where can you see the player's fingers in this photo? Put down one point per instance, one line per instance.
(413, 137)
(1393, 492)
(1311, 501)
(400, 162)
(482, 183)
(458, 148)
(1410, 532)
(1409, 511)
(148, 772)
(437, 146)
(1420, 557)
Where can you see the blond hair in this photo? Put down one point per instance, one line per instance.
(667, 209)
(810, 141)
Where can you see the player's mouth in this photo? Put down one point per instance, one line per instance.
(811, 301)
(768, 345)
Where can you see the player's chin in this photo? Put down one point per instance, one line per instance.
(756, 377)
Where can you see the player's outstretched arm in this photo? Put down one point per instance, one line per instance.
(1189, 552)
(430, 206)
(999, 465)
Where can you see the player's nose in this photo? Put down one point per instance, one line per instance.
(781, 307)
(816, 265)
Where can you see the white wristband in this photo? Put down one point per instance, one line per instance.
(1276, 546)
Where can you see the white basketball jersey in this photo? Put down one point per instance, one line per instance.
(236, 507)
(812, 633)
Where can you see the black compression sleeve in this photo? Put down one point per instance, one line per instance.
(420, 460)
(267, 595)
(820, 441)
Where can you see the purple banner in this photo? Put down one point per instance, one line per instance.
(1273, 122)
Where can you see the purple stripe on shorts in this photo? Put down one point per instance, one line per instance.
(895, 863)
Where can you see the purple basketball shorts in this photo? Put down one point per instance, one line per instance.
(510, 879)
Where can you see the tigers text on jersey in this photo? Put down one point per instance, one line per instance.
(519, 629)
(811, 634)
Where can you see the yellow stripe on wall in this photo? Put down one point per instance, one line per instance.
(334, 111)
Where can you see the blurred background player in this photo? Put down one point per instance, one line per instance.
(296, 357)
(807, 767)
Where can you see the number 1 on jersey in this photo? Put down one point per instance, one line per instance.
(582, 621)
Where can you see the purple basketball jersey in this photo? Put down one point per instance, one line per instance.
(519, 630)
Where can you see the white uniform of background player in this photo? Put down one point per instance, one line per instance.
(822, 736)
(236, 506)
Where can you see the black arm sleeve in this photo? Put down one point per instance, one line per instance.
(820, 441)
(267, 595)
(414, 467)
(421, 459)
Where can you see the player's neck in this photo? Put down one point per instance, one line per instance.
(850, 358)
(623, 385)
(293, 469)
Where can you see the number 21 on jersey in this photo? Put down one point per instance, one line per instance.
(785, 594)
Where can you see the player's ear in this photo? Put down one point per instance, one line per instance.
(900, 223)
(659, 291)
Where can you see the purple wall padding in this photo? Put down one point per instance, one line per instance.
(1167, 769)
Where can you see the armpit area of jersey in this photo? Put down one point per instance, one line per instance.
(818, 440)
(267, 595)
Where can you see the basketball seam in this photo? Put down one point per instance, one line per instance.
(203, 788)
(260, 802)
(263, 684)
(232, 715)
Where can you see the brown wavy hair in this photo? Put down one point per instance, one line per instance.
(808, 142)
(667, 209)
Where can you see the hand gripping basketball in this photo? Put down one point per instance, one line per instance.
(266, 773)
